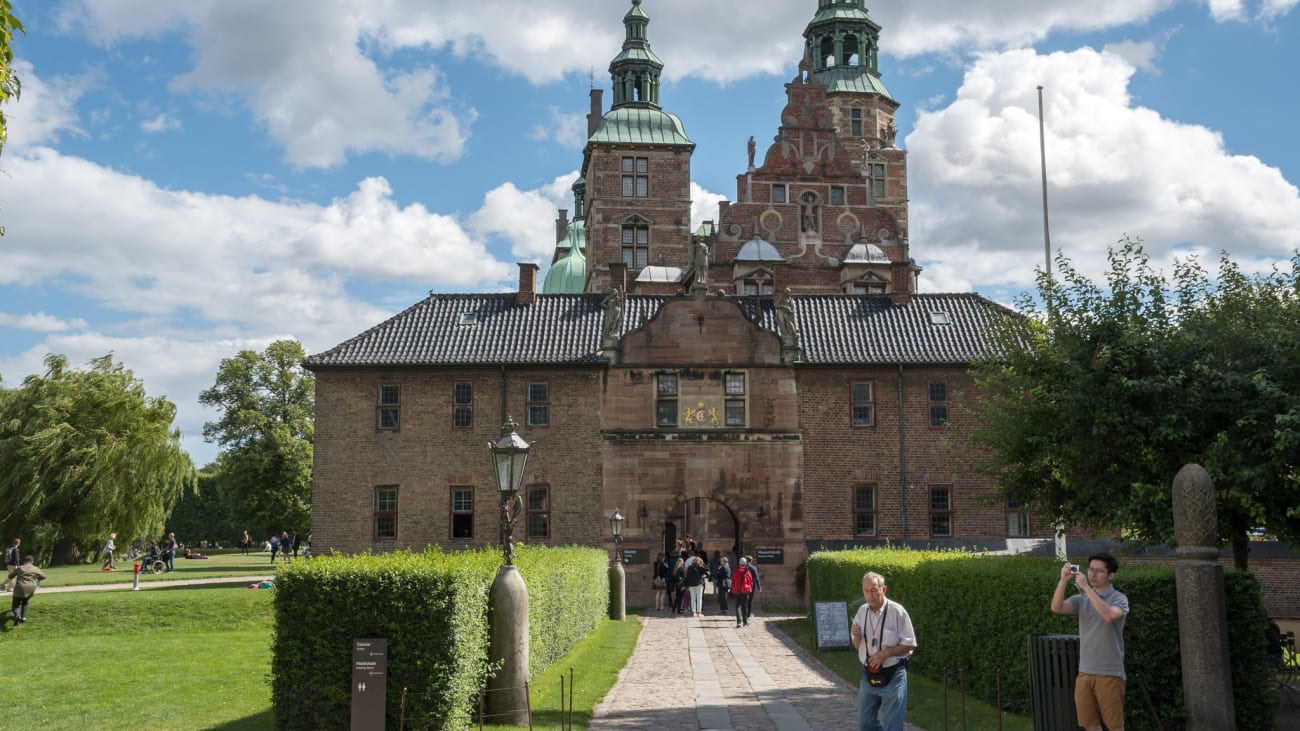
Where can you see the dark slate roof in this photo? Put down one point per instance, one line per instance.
(566, 329)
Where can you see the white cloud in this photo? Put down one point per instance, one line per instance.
(46, 109)
(568, 130)
(525, 218)
(40, 322)
(160, 123)
(1113, 168)
(1141, 54)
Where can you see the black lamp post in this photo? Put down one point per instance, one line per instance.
(509, 457)
(617, 578)
(507, 698)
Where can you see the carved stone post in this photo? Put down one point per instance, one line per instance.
(1202, 609)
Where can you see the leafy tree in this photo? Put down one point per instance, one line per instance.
(204, 515)
(265, 432)
(10, 87)
(1092, 407)
(84, 453)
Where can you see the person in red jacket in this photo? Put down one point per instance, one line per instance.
(742, 588)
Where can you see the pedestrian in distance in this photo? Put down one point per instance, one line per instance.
(1102, 609)
(660, 582)
(12, 562)
(25, 580)
(275, 546)
(245, 543)
(169, 553)
(109, 547)
(883, 636)
(742, 590)
(294, 541)
(285, 546)
(758, 585)
(695, 576)
(722, 584)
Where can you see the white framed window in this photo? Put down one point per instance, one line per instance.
(388, 412)
(666, 399)
(462, 513)
(539, 404)
(779, 193)
(636, 177)
(636, 246)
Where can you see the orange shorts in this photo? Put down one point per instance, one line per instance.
(1099, 698)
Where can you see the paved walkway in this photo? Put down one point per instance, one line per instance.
(152, 584)
(705, 673)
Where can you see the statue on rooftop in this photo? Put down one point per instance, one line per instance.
(613, 304)
(753, 147)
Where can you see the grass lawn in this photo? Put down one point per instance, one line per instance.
(179, 658)
(184, 658)
(219, 565)
(595, 663)
(925, 697)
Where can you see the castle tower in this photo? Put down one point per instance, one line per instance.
(637, 165)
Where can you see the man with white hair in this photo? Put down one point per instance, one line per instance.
(883, 636)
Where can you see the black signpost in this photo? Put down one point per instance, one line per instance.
(636, 556)
(369, 683)
(832, 619)
(770, 555)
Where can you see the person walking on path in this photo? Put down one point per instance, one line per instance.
(742, 588)
(25, 580)
(758, 585)
(1102, 609)
(109, 547)
(12, 562)
(695, 584)
(883, 636)
(722, 583)
(169, 552)
(275, 546)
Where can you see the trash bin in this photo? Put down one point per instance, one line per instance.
(1053, 665)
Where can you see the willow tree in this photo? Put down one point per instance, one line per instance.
(1092, 407)
(9, 83)
(84, 453)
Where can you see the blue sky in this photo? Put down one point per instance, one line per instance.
(185, 180)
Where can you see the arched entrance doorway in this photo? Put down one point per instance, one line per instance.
(710, 522)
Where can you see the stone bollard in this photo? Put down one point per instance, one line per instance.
(507, 697)
(1202, 608)
(617, 591)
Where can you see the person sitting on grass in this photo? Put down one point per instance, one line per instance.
(193, 554)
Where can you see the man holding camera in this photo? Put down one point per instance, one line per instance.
(1101, 608)
(883, 636)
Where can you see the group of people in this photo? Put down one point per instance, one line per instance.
(884, 638)
(163, 551)
(287, 544)
(681, 574)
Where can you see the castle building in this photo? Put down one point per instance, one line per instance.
(769, 383)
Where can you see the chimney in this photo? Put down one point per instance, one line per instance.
(561, 225)
(527, 293)
(618, 276)
(597, 111)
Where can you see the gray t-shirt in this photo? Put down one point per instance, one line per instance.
(1101, 644)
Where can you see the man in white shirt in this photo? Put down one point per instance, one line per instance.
(883, 636)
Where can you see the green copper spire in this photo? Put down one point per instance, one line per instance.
(844, 45)
(636, 70)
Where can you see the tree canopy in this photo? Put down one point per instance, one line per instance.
(265, 431)
(84, 453)
(1095, 405)
(10, 87)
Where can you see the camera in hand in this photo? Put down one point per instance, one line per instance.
(1074, 568)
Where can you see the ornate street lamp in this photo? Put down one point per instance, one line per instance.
(616, 528)
(509, 457)
(507, 697)
(617, 578)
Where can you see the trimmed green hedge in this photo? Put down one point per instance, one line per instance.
(973, 615)
(433, 608)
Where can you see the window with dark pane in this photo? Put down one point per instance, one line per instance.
(864, 510)
(462, 409)
(539, 404)
(636, 246)
(940, 511)
(666, 399)
(862, 403)
(385, 513)
(778, 194)
(938, 404)
(855, 117)
(389, 411)
(539, 512)
(462, 513)
(837, 195)
(1017, 518)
